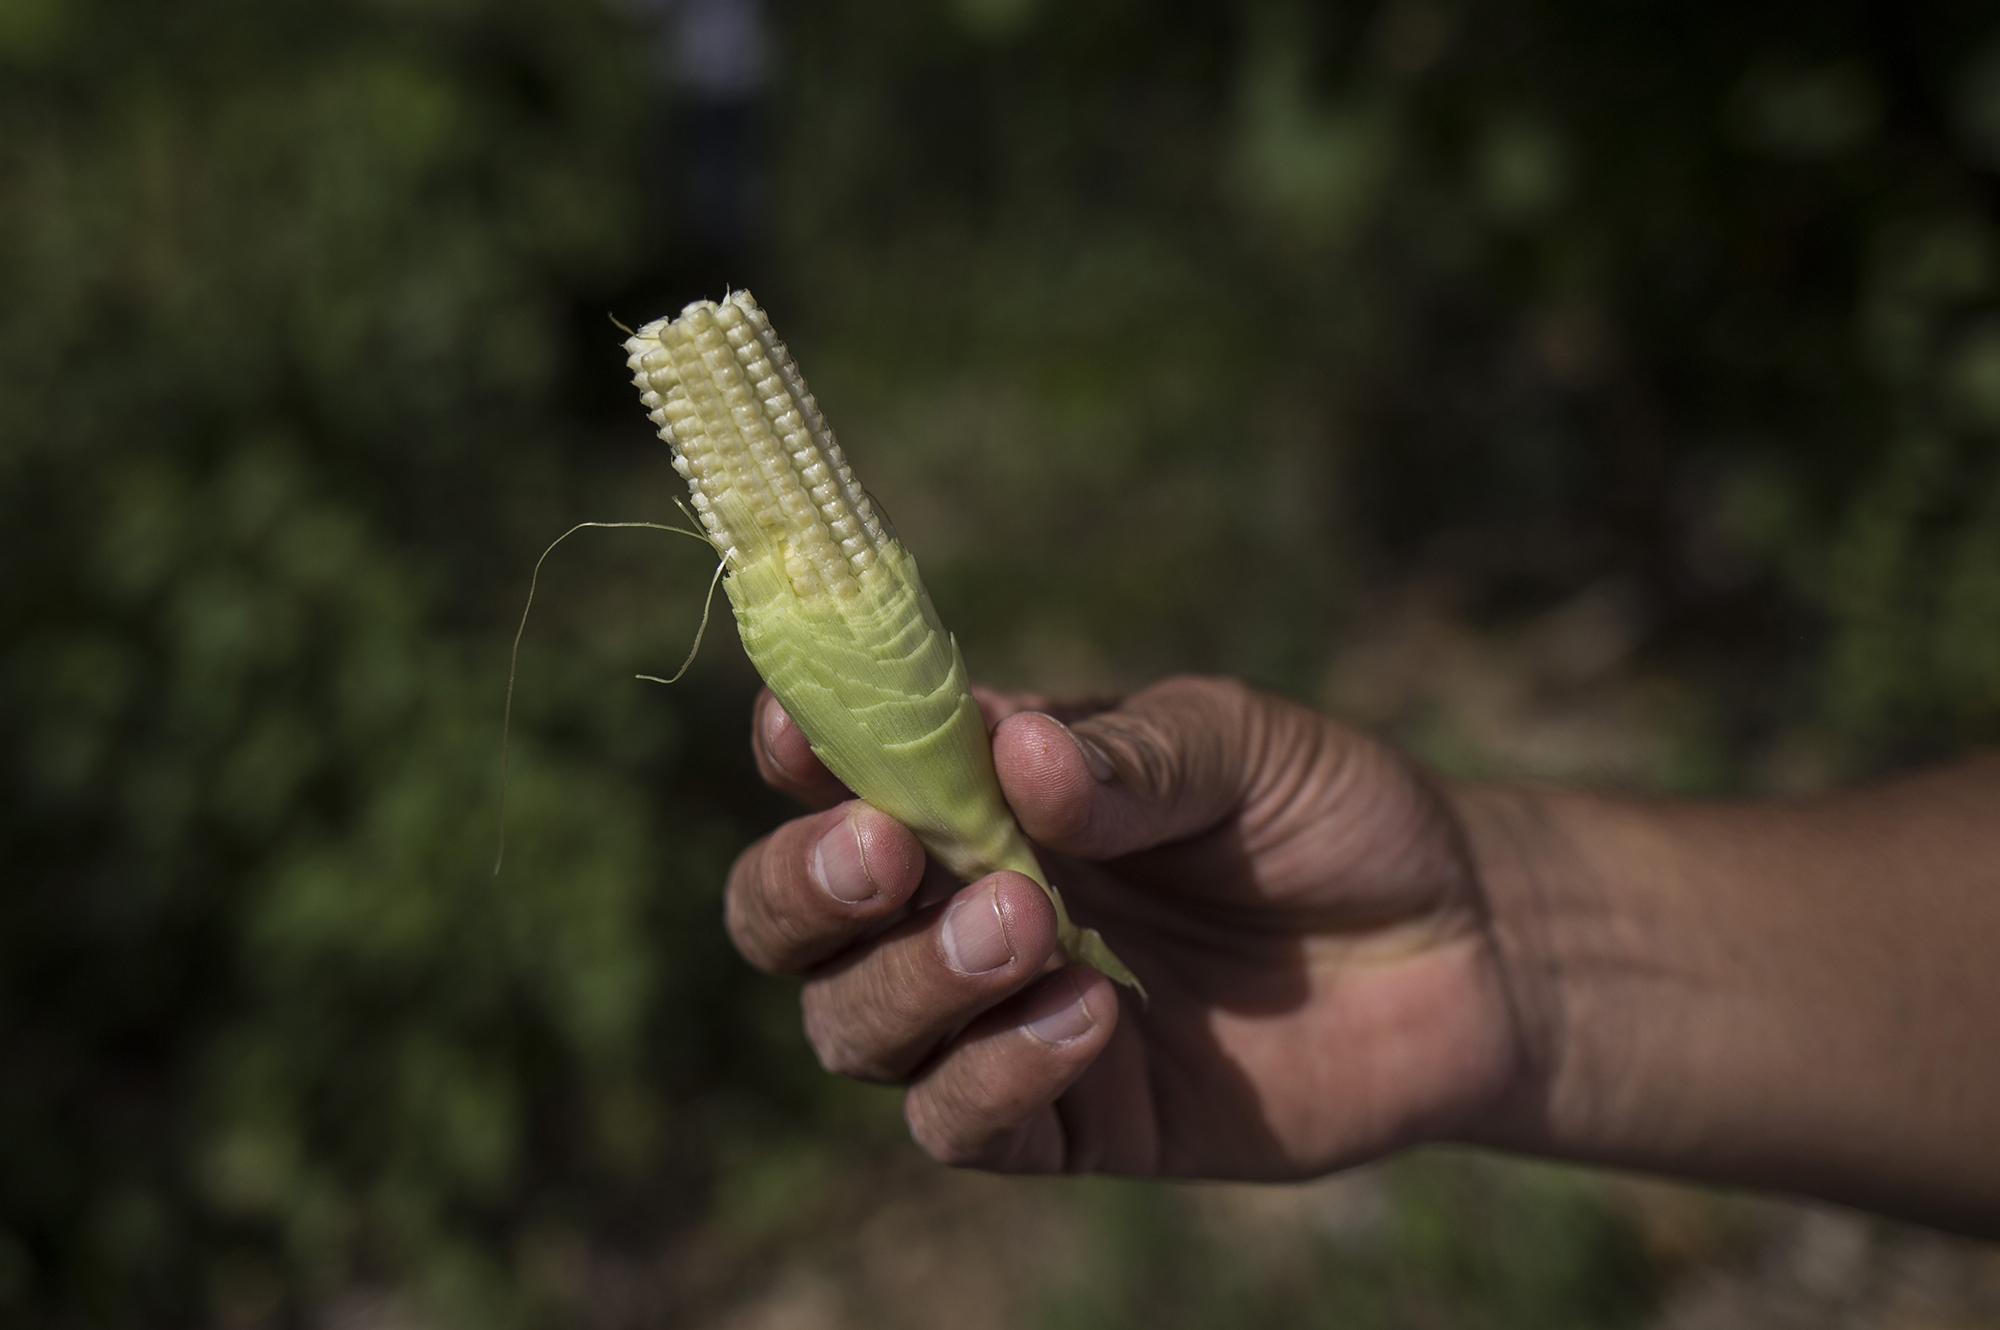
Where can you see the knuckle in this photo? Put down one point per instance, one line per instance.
(833, 1043)
(966, 1116)
(1148, 756)
(767, 955)
(761, 722)
(930, 1126)
(1183, 731)
(732, 917)
(792, 933)
(737, 922)
(827, 1047)
(765, 915)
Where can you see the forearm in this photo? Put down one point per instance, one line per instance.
(1803, 996)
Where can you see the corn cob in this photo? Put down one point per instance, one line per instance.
(828, 602)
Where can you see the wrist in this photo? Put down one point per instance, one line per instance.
(1513, 849)
(1728, 992)
(1582, 907)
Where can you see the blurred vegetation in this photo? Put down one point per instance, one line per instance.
(1455, 1246)
(1172, 343)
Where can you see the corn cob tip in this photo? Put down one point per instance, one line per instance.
(767, 476)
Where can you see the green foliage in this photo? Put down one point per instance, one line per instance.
(1170, 343)
(284, 427)
(1527, 303)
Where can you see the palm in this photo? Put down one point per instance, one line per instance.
(1322, 984)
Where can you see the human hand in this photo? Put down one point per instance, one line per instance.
(1298, 899)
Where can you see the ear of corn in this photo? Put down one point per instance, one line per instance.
(828, 602)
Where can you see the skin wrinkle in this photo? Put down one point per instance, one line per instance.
(1508, 833)
(1274, 798)
(1307, 770)
(886, 1051)
(918, 1114)
(1187, 787)
(1522, 1021)
(1401, 817)
(1614, 974)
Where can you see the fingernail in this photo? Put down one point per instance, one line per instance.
(1070, 1021)
(773, 725)
(974, 936)
(1094, 757)
(839, 866)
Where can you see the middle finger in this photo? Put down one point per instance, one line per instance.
(878, 1013)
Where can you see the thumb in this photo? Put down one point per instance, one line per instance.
(1166, 764)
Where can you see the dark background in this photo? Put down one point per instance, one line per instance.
(1600, 391)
